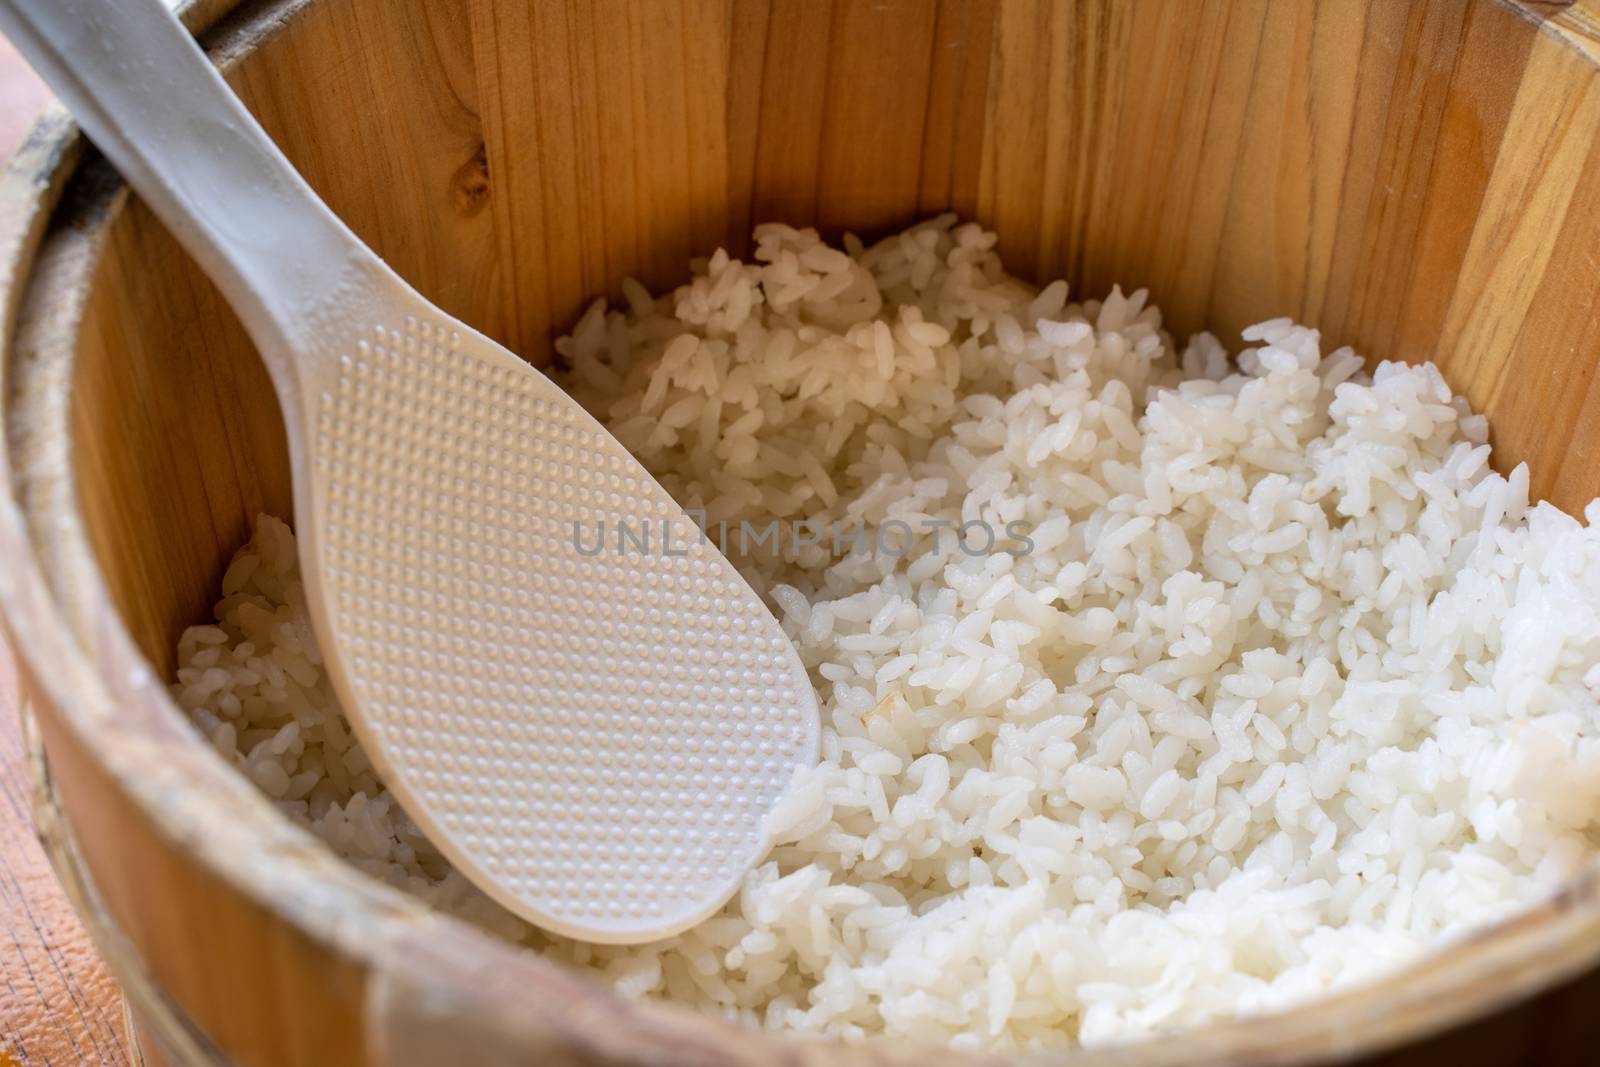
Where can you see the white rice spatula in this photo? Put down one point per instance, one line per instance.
(593, 739)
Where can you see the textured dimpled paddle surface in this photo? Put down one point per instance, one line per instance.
(593, 737)
(590, 725)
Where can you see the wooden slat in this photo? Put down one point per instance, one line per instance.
(606, 150)
(58, 1004)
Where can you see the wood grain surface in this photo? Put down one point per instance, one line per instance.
(58, 1005)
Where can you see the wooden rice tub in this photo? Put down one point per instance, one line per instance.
(1414, 178)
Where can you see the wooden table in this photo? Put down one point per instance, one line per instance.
(58, 1005)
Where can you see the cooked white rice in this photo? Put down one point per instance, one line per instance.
(1290, 687)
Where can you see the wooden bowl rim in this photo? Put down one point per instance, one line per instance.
(86, 668)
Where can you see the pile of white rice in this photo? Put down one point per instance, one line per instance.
(1290, 687)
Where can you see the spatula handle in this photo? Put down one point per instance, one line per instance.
(148, 98)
